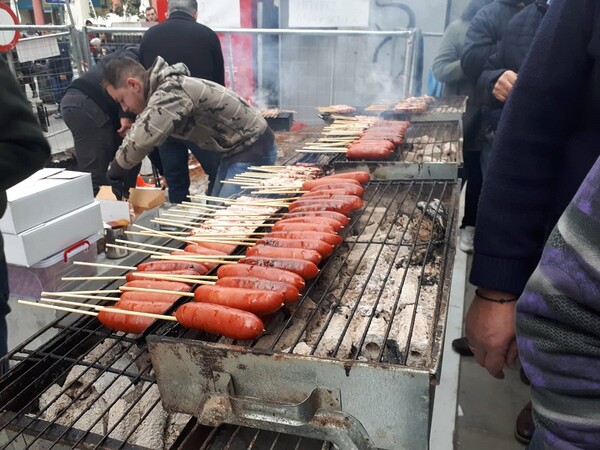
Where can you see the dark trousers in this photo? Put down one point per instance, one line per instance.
(94, 136)
(174, 158)
(59, 87)
(471, 173)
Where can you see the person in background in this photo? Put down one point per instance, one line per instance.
(23, 150)
(61, 74)
(180, 39)
(546, 143)
(97, 122)
(150, 14)
(446, 68)
(171, 103)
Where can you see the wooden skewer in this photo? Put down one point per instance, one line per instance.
(203, 205)
(136, 250)
(71, 295)
(198, 257)
(241, 183)
(58, 308)
(173, 224)
(221, 241)
(156, 291)
(90, 313)
(66, 302)
(275, 191)
(324, 150)
(109, 266)
(232, 234)
(160, 233)
(92, 278)
(97, 291)
(142, 244)
(180, 279)
(183, 216)
(174, 276)
(190, 259)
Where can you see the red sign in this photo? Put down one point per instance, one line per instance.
(8, 39)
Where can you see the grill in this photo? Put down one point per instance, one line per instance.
(329, 370)
(366, 333)
(443, 108)
(432, 150)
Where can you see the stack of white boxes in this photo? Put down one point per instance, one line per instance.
(46, 214)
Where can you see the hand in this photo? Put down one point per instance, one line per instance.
(504, 85)
(116, 176)
(490, 329)
(125, 126)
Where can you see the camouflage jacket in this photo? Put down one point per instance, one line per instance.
(191, 109)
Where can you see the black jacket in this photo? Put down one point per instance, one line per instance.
(23, 148)
(509, 55)
(90, 83)
(485, 32)
(546, 143)
(61, 64)
(181, 39)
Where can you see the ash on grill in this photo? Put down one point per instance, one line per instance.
(110, 404)
(432, 142)
(376, 298)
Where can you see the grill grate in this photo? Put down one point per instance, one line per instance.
(449, 105)
(425, 142)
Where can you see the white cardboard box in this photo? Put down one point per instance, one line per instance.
(35, 244)
(46, 195)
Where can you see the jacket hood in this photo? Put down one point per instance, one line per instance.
(160, 70)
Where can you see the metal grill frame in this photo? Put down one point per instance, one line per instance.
(352, 403)
(442, 109)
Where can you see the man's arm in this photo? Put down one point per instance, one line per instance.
(518, 191)
(154, 125)
(23, 148)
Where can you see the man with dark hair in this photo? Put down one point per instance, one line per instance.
(180, 39)
(23, 150)
(171, 103)
(150, 14)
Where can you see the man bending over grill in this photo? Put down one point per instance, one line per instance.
(171, 103)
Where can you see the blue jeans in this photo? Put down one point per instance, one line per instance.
(536, 443)
(174, 158)
(229, 170)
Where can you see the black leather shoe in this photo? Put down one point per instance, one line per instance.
(461, 346)
(524, 427)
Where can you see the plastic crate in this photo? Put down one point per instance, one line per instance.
(47, 274)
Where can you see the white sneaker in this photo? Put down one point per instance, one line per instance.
(467, 237)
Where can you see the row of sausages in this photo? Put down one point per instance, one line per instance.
(378, 141)
(272, 274)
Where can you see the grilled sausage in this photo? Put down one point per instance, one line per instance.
(335, 224)
(342, 218)
(266, 273)
(222, 320)
(168, 266)
(330, 238)
(131, 324)
(202, 250)
(289, 291)
(257, 301)
(305, 269)
(131, 276)
(374, 152)
(328, 193)
(162, 285)
(361, 177)
(328, 205)
(351, 188)
(283, 226)
(294, 253)
(149, 297)
(354, 200)
(309, 184)
(322, 247)
(223, 248)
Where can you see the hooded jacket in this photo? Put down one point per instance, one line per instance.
(23, 148)
(191, 109)
(485, 32)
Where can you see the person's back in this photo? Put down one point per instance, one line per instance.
(181, 39)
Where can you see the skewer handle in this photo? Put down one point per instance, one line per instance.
(155, 291)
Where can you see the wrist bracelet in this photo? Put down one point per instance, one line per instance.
(495, 300)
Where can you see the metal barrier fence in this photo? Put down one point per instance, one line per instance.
(291, 69)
